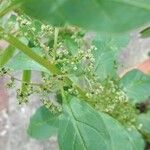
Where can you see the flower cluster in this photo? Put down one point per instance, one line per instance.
(55, 109)
(35, 32)
(114, 101)
(3, 71)
(74, 58)
(11, 83)
(23, 94)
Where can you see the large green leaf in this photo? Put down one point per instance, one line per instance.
(108, 47)
(43, 124)
(136, 85)
(86, 129)
(144, 122)
(22, 62)
(100, 15)
(82, 128)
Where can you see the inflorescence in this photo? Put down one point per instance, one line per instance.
(77, 63)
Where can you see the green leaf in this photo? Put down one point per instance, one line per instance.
(70, 44)
(108, 47)
(6, 55)
(99, 15)
(136, 85)
(86, 129)
(22, 62)
(145, 33)
(43, 124)
(82, 127)
(31, 54)
(122, 138)
(144, 122)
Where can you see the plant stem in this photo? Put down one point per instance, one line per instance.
(26, 77)
(31, 83)
(6, 55)
(8, 9)
(56, 32)
(26, 50)
(63, 95)
(81, 92)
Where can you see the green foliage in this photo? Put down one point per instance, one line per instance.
(136, 85)
(70, 44)
(144, 123)
(121, 137)
(6, 55)
(84, 128)
(145, 33)
(43, 124)
(94, 108)
(25, 89)
(98, 15)
(114, 101)
(108, 47)
(22, 62)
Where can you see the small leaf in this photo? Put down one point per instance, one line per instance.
(136, 85)
(108, 47)
(70, 45)
(145, 33)
(43, 124)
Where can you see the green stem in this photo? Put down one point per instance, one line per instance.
(6, 55)
(31, 83)
(81, 92)
(8, 9)
(56, 32)
(26, 76)
(26, 50)
(63, 95)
